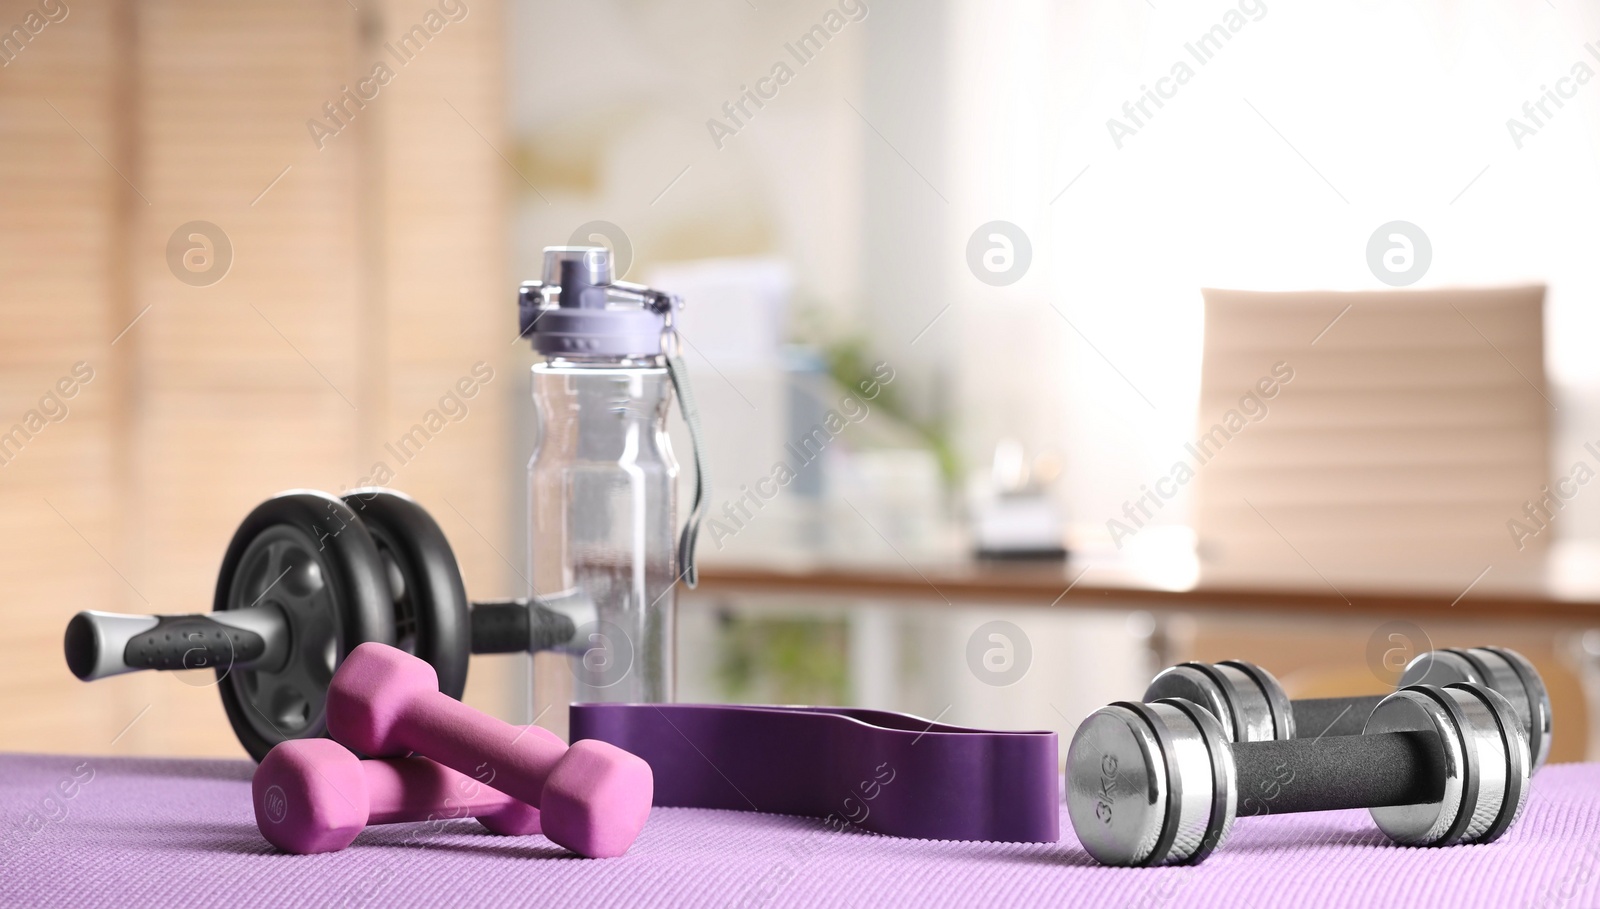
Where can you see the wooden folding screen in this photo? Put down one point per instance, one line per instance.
(346, 153)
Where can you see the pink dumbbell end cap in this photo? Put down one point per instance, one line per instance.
(597, 799)
(374, 685)
(310, 796)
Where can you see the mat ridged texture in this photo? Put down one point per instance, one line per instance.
(170, 832)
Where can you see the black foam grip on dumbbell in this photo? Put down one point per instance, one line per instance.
(515, 626)
(1350, 771)
(193, 642)
(1315, 717)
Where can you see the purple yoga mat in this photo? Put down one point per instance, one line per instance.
(180, 833)
(878, 771)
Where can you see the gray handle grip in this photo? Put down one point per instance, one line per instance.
(530, 625)
(100, 644)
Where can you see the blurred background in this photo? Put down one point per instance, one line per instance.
(1278, 318)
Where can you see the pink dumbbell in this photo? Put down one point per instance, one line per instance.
(593, 797)
(314, 795)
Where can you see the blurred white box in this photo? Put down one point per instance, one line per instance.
(735, 310)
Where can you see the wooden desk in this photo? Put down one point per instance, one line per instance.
(1555, 595)
(1560, 586)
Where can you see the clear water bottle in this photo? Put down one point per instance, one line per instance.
(603, 479)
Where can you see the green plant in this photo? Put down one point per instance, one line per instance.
(850, 363)
(785, 660)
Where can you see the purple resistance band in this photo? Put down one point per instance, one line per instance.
(888, 773)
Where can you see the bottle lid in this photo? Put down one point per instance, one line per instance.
(577, 310)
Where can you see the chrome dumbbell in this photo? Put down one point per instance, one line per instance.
(1160, 784)
(1252, 706)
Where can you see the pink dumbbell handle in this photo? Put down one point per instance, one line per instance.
(417, 789)
(484, 748)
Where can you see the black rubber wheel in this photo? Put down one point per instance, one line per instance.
(430, 600)
(307, 554)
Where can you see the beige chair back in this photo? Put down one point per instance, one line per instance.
(1414, 427)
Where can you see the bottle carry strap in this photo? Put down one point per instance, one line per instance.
(702, 489)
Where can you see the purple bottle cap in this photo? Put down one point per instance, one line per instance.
(577, 311)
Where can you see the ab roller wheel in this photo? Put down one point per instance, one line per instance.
(430, 600)
(327, 593)
(307, 578)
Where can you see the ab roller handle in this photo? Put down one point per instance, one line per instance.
(1252, 706)
(1159, 783)
(530, 625)
(100, 644)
